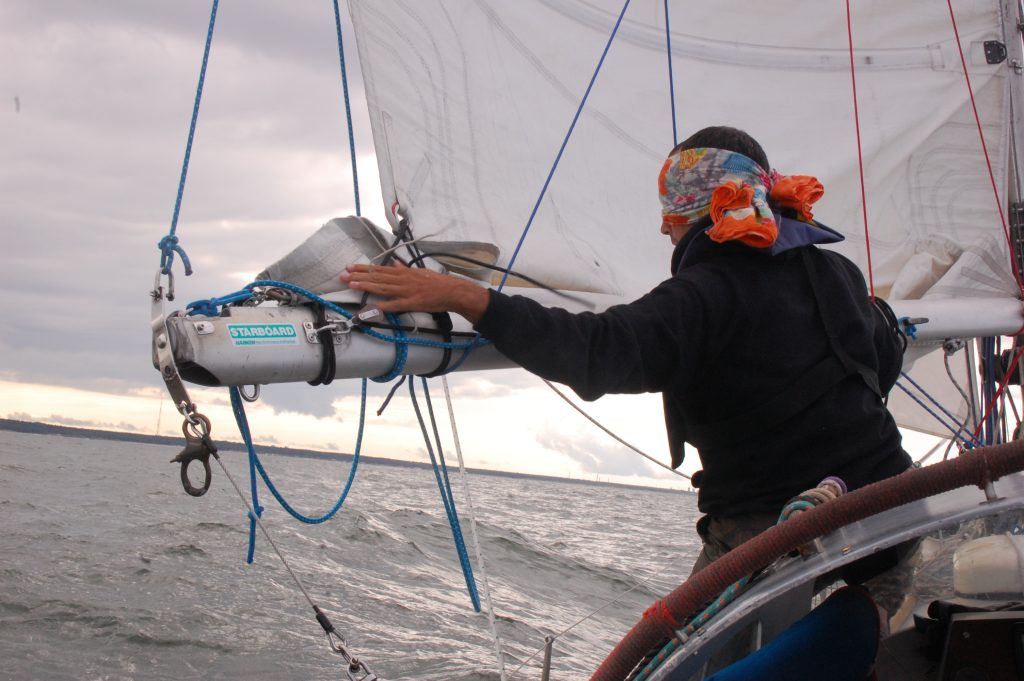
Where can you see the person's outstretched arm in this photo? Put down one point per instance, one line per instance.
(418, 289)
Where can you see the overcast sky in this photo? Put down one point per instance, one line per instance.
(95, 102)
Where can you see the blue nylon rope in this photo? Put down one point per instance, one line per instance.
(671, 79)
(437, 439)
(202, 307)
(255, 465)
(941, 407)
(169, 244)
(243, 428)
(955, 430)
(561, 150)
(401, 352)
(444, 485)
(348, 106)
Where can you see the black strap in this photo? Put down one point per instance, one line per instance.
(444, 324)
(328, 361)
(869, 375)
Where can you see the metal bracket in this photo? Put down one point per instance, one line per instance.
(340, 328)
(165, 354)
(995, 52)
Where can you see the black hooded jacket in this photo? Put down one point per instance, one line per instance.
(775, 381)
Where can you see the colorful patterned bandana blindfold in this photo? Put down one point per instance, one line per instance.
(735, 191)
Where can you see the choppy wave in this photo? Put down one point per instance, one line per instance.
(109, 571)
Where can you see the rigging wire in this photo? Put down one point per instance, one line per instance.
(169, 244)
(497, 268)
(474, 537)
(860, 152)
(963, 427)
(613, 435)
(1002, 387)
(348, 107)
(984, 148)
(565, 142)
(592, 614)
(931, 451)
(968, 372)
(671, 79)
(444, 485)
(321, 618)
(966, 438)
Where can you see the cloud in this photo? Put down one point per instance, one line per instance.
(90, 172)
(93, 157)
(594, 456)
(483, 386)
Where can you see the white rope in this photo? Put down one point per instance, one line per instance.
(472, 532)
(613, 435)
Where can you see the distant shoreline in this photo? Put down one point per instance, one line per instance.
(38, 428)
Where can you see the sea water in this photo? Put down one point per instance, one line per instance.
(108, 570)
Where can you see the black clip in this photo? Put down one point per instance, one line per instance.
(198, 447)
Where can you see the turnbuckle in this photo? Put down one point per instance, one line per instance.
(198, 447)
(357, 669)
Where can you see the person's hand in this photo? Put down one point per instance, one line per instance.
(418, 290)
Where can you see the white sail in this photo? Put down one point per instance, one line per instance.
(470, 103)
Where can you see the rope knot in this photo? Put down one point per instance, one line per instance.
(168, 247)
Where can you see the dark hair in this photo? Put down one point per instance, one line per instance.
(730, 139)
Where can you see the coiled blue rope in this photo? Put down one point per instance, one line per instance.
(169, 244)
(255, 465)
(444, 485)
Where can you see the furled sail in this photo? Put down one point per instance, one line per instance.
(470, 103)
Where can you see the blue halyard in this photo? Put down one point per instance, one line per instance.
(169, 244)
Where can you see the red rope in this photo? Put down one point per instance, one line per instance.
(860, 153)
(1002, 387)
(984, 148)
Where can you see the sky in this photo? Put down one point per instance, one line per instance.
(95, 103)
